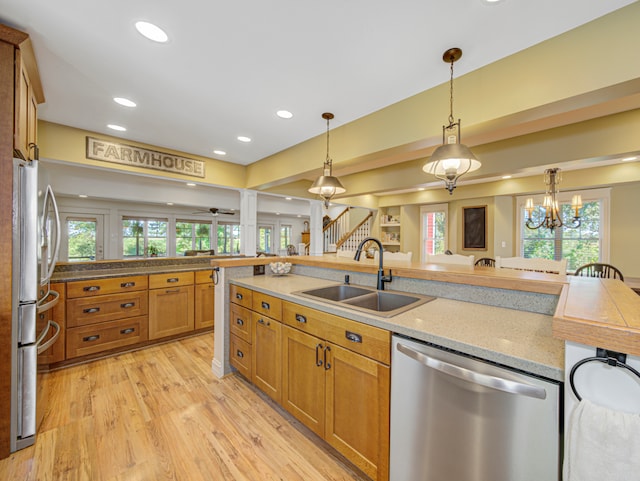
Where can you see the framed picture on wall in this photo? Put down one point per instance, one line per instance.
(474, 228)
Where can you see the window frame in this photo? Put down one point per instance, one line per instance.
(602, 195)
(146, 219)
(194, 236)
(432, 209)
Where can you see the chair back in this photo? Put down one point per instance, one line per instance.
(532, 264)
(450, 259)
(395, 256)
(486, 262)
(597, 269)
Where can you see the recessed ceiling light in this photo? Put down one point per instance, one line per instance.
(219, 152)
(284, 114)
(421, 188)
(288, 198)
(83, 196)
(152, 32)
(491, 2)
(505, 177)
(124, 102)
(242, 138)
(629, 159)
(169, 203)
(119, 128)
(190, 184)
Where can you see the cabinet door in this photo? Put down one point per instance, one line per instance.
(204, 305)
(266, 362)
(303, 378)
(170, 311)
(21, 118)
(357, 417)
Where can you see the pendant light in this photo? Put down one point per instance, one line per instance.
(552, 218)
(452, 159)
(326, 186)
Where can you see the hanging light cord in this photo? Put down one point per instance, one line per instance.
(451, 95)
(328, 161)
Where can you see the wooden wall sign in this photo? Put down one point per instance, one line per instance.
(98, 149)
(474, 228)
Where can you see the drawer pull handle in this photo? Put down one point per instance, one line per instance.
(127, 305)
(239, 322)
(261, 321)
(239, 296)
(129, 330)
(301, 319)
(173, 279)
(128, 284)
(91, 338)
(352, 336)
(327, 364)
(239, 354)
(91, 310)
(265, 305)
(91, 288)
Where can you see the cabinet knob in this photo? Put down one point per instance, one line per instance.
(127, 284)
(301, 319)
(127, 305)
(352, 336)
(129, 330)
(91, 310)
(265, 305)
(173, 279)
(91, 338)
(239, 354)
(239, 322)
(91, 288)
(239, 296)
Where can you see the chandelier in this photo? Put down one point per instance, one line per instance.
(552, 217)
(452, 159)
(326, 186)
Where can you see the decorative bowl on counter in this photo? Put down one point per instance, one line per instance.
(280, 268)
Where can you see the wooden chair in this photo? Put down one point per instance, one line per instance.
(450, 259)
(597, 269)
(486, 262)
(395, 256)
(532, 264)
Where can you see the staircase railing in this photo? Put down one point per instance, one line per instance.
(334, 231)
(351, 240)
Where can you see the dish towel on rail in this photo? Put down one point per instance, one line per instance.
(604, 444)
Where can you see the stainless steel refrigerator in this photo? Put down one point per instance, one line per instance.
(36, 242)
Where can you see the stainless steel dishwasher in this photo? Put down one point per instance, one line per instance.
(455, 418)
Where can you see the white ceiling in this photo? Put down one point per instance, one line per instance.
(228, 66)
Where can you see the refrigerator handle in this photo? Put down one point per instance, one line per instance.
(51, 265)
(42, 306)
(485, 380)
(43, 347)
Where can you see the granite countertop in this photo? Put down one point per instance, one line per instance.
(519, 339)
(81, 275)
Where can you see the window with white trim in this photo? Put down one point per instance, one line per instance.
(228, 238)
(433, 229)
(144, 236)
(582, 245)
(192, 235)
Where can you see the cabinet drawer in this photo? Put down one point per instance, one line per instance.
(107, 335)
(240, 355)
(98, 287)
(175, 279)
(84, 311)
(204, 277)
(367, 340)
(240, 295)
(267, 305)
(240, 322)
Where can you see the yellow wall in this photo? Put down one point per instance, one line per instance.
(59, 142)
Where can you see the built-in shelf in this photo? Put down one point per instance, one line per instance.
(393, 224)
(391, 243)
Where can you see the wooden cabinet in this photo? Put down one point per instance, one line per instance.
(204, 299)
(255, 338)
(105, 314)
(25, 128)
(171, 304)
(336, 381)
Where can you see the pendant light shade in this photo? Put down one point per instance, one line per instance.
(452, 159)
(326, 186)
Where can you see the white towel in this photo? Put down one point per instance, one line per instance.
(603, 445)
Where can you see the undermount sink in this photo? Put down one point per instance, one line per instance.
(381, 303)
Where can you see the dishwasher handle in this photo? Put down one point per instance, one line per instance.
(486, 380)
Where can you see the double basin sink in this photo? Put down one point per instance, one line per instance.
(381, 303)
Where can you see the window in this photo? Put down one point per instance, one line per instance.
(192, 236)
(228, 238)
(285, 236)
(433, 229)
(81, 239)
(144, 236)
(582, 245)
(265, 241)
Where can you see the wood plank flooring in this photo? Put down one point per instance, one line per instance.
(160, 414)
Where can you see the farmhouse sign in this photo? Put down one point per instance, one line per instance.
(123, 154)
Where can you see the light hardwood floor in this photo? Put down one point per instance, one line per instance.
(160, 414)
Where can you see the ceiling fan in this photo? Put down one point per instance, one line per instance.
(214, 211)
